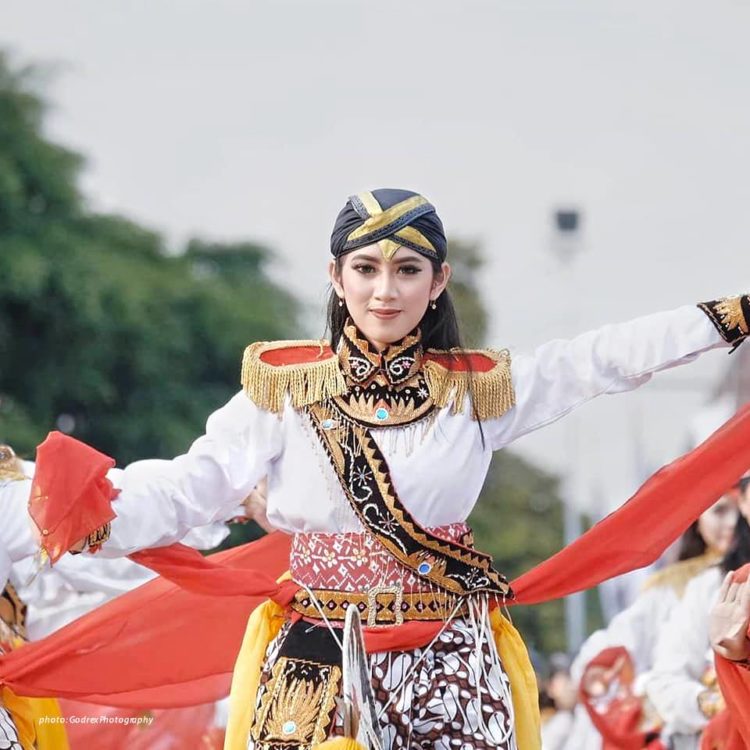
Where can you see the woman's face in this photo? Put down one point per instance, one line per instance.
(387, 298)
(716, 525)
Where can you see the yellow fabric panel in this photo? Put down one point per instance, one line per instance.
(339, 743)
(26, 713)
(48, 736)
(264, 625)
(22, 714)
(517, 665)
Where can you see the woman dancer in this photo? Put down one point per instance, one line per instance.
(376, 447)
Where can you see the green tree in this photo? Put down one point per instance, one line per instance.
(102, 331)
(466, 261)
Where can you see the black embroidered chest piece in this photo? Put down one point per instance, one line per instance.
(385, 388)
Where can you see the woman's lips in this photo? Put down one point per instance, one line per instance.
(385, 314)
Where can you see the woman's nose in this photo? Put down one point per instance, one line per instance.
(386, 287)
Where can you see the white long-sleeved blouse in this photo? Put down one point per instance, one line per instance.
(438, 475)
(683, 656)
(16, 537)
(56, 595)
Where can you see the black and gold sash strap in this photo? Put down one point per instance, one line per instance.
(365, 478)
(382, 605)
(731, 317)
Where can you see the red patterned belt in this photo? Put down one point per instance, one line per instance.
(345, 569)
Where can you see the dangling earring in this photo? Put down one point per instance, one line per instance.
(341, 302)
(433, 304)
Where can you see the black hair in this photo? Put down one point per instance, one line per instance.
(739, 553)
(692, 544)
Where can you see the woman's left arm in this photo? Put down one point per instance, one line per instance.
(563, 374)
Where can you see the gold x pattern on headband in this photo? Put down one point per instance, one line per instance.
(379, 219)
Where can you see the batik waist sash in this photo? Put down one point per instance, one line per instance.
(338, 570)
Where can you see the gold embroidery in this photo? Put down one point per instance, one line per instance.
(384, 388)
(12, 615)
(298, 703)
(492, 391)
(731, 314)
(11, 468)
(96, 538)
(398, 361)
(382, 605)
(363, 408)
(305, 383)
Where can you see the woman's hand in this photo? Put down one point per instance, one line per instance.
(255, 505)
(730, 619)
(597, 679)
(79, 546)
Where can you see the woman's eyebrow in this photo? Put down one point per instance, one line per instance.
(407, 259)
(367, 257)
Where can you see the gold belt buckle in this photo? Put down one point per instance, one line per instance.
(372, 605)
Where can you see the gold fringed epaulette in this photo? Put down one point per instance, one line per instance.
(485, 373)
(306, 371)
(679, 574)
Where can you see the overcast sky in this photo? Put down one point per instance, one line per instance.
(238, 119)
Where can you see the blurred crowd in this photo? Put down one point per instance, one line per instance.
(648, 680)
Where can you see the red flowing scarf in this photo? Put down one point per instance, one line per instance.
(173, 641)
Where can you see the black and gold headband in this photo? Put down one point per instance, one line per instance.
(392, 219)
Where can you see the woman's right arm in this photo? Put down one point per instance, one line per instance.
(159, 502)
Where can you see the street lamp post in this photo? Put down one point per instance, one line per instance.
(567, 245)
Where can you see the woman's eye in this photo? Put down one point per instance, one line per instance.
(410, 270)
(364, 268)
